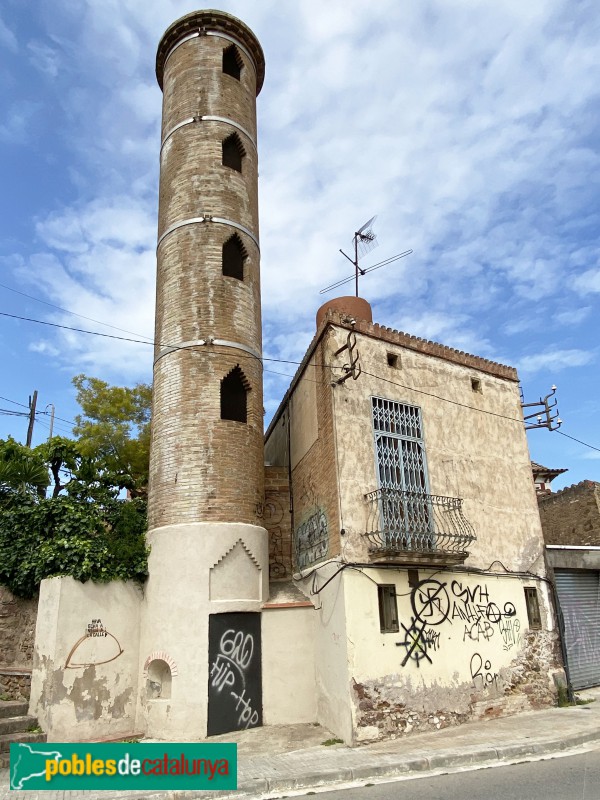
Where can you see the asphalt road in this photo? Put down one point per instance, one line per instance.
(566, 778)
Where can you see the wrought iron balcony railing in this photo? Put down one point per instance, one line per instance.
(402, 522)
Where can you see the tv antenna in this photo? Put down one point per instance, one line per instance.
(363, 242)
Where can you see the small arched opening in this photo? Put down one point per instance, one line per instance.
(232, 62)
(233, 152)
(158, 681)
(234, 396)
(234, 256)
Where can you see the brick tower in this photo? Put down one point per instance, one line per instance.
(209, 560)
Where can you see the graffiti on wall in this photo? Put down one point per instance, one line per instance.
(273, 517)
(96, 646)
(235, 681)
(481, 672)
(468, 609)
(311, 540)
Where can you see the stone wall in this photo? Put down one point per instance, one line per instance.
(572, 516)
(17, 630)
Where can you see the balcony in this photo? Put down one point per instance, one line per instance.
(415, 528)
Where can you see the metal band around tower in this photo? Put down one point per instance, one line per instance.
(208, 218)
(207, 342)
(209, 118)
(197, 35)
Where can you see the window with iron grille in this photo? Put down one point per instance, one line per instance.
(533, 608)
(388, 608)
(407, 519)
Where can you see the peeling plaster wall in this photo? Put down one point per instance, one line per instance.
(464, 651)
(85, 669)
(480, 457)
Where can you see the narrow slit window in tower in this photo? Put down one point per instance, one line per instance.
(234, 255)
(232, 62)
(234, 391)
(233, 152)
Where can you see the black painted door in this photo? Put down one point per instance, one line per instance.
(235, 675)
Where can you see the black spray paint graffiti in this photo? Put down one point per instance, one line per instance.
(311, 540)
(510, 630)
(229, 668)
(482, 617)
(433, 605)
(485, 679)
(234, 675)
(418, 640)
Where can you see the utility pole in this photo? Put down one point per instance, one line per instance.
(32, 405)
(50, 405)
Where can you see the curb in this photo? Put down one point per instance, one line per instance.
(386, 765)
(404, 766)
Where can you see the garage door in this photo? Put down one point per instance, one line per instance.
(579, 596)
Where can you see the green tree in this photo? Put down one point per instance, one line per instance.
(22, 471)
(114, 429)
(83, 528)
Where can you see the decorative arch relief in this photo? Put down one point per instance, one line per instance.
(160, 655)
(159, 670)
(236, 575)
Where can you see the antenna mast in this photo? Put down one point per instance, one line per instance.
(364, 241)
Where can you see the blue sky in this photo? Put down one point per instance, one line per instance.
(470, 128)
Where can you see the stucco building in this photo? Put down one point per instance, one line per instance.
(415, 530)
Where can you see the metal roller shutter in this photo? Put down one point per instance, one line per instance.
(579, 596)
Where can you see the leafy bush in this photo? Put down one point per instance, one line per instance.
(66, 536)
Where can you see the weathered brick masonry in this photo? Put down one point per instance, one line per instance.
(200, 463)
(277, 519)
(315, 476)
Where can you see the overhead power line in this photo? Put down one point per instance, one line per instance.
(280, 361)
(77, 330)
(68, 311)
(585, 444)
(14, 402)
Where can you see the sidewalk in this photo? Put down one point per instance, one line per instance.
(285, 758)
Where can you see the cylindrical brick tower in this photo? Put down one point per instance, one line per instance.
(209, 556)
(205, 466)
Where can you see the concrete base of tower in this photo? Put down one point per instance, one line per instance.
(200, 630)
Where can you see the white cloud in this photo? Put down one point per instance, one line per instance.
(45, 348)
(591, 455)
(44, 58)
(8, 38)
(574, 316)
(102, 267)
(588, 282)
(16, 129)
(554, 360)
